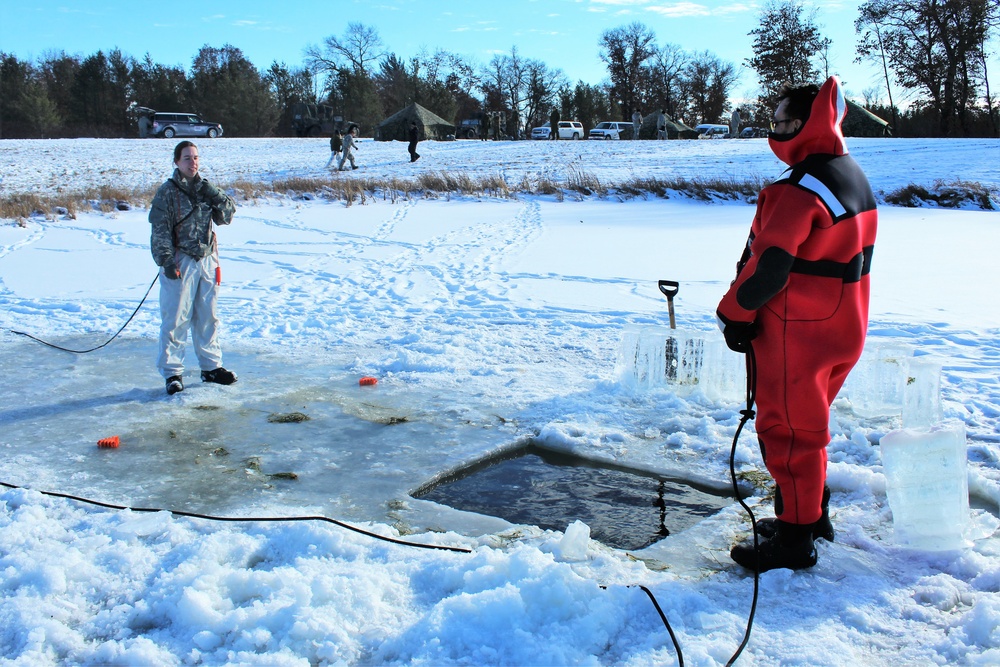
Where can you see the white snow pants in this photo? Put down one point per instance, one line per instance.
(188, 303)
(347, 156)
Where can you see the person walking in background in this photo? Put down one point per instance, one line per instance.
(661, 124)
(799, 303)
(183, 244)
(347, 150)
(414, 136)
(554, 124)
(336, 143)
(636, 123)
(484, 130)
(144, 124)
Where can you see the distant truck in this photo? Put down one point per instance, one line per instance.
(314, 120)
(468, 129)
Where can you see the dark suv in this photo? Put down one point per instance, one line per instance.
(172, 125)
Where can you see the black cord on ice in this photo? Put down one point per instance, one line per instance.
(22, 333)
(236, 519)
(748, 414)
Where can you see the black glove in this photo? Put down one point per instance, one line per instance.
(739, 334)
(210, 193)
(170, 271)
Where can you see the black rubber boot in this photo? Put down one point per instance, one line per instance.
(823, 528)
(174, 385)
(790, 547)
(218, 376)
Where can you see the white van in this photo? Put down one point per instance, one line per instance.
(711, 131)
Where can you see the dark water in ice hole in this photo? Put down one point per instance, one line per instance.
(536, 486)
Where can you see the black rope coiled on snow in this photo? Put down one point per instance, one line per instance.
(64, 349)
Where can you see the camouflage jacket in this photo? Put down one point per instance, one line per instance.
(182, 214)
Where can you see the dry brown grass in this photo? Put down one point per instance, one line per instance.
(953, 194)
(349, 190)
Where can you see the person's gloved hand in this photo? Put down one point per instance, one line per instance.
(210, 193)
(738, 334)
(170, 271)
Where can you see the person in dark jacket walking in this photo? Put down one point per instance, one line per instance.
(484, 129)
(554, 124)
(183, 243)
(414, 135)
(800, 304)
(336, 143)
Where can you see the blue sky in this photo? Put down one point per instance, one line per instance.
(562, 33)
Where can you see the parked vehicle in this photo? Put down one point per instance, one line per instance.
(611, 129)
(170, 125)
(712, 131)
(753, 132)
(568, 129)
(468, 129)
(315, 120)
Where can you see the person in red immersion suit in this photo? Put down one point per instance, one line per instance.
(800, 299)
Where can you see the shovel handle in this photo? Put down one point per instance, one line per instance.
(669, 289)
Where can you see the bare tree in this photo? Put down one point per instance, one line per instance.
(665, 77)
(359, 48)
(709, 81)
(872, 47)
(627, 50)
(933, 47)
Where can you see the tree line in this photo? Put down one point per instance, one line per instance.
(932, 52)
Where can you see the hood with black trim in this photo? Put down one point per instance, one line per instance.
(821, 133)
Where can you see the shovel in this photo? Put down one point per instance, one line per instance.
(669, 289)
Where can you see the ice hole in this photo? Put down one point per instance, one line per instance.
(534, 485)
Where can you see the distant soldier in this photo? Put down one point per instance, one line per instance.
(554, 124)
(336, 143)
(661, 124)
(347, 151)
(414, 136)
(484, 129)
(636, 123)
(734, 124)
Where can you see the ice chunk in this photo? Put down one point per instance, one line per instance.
(927, 485)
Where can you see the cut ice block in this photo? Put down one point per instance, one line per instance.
(877, 382)
(927, 485)
(657, 357)
(922, 393)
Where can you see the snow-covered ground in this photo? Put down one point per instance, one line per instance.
(487, 321)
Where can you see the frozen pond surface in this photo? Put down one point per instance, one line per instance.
(226, 451)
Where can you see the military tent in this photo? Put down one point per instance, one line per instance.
(860, 122)
(397, 126)
(675, 128)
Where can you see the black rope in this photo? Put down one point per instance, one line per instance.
(747, 415)
(237, 519)
(64, 349)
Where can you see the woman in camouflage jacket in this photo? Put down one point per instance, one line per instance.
(183, 243)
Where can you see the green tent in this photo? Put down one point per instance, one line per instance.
(860, 122)
(675, 128)
(397, 126)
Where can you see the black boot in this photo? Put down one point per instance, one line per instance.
(175, 384)
(218, 376)
(791, 547)
(823, 528)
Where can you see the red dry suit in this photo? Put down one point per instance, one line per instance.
(803, 280)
